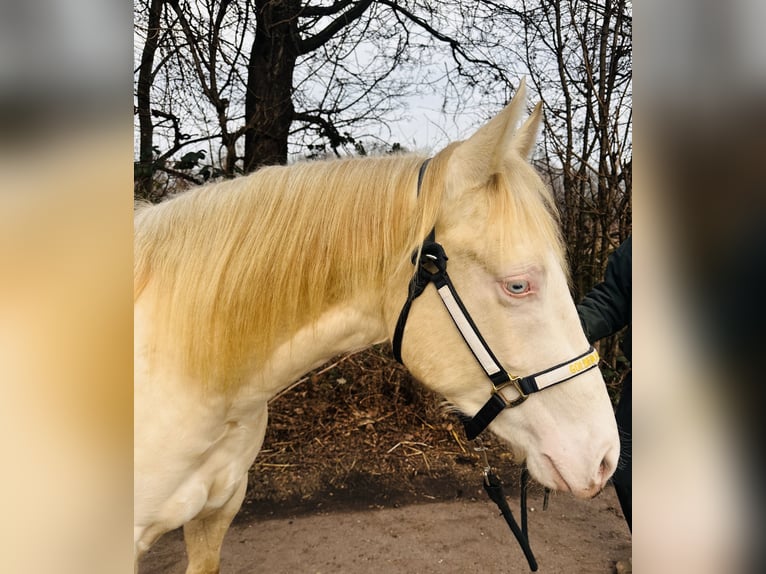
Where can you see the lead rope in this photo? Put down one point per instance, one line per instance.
(494, 488)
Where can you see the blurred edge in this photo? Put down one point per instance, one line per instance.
(700, 260)
(66, 288)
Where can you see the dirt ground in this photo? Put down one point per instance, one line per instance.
(363, 471)
(461, 536)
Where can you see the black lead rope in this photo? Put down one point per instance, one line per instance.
(494, 488)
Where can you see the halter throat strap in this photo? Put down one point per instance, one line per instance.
(431, 267)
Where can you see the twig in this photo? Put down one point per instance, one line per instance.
(457, 440)
(313, 374)
(409, 444)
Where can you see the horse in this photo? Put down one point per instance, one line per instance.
(241, 286)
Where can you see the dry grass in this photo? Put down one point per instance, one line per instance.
(360, 432)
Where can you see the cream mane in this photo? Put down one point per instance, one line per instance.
(236, 268)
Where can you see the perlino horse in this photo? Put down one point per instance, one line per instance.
(244, 285)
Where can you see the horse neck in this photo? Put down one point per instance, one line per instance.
(329, 298)
(370, 271)
(351, 326)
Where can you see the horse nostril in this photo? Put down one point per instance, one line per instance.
(607, 466)
(603, 470)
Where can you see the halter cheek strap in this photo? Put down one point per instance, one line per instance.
(431, 267)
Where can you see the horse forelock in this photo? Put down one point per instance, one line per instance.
(524, 208)
(511, 211)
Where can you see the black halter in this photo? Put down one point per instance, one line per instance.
(431, 267)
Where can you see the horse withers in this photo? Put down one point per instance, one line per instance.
(244, 285)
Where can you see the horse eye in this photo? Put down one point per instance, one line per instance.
(517, 287)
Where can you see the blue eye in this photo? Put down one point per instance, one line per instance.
(517, 286)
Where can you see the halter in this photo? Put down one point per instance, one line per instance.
(431, 267)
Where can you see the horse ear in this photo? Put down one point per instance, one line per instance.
(483, 154)
(523, 141)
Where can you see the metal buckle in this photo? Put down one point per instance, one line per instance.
(480, 448)
(515, 382)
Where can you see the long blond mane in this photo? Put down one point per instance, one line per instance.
(233, 269)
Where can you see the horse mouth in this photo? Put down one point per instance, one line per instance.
(558, 478)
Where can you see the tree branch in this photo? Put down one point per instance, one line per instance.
(455, 45)
(323, 36)
(326, 127)
(319, 11)
(179, 174)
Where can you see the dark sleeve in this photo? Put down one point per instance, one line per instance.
(607, 308)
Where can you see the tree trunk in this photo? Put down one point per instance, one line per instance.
(145, 168)
(268, 103)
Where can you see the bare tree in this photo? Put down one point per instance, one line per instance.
(190, 63)
(144, 166)
(316, 74)
(579, 56)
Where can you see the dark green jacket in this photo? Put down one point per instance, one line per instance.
(607, 308)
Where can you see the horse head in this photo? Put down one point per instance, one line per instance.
(496, 222)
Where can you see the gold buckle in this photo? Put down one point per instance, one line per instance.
(515, 382)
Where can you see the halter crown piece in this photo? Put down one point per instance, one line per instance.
(431, 267)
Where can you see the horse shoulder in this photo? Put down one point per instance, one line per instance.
(192, 446)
